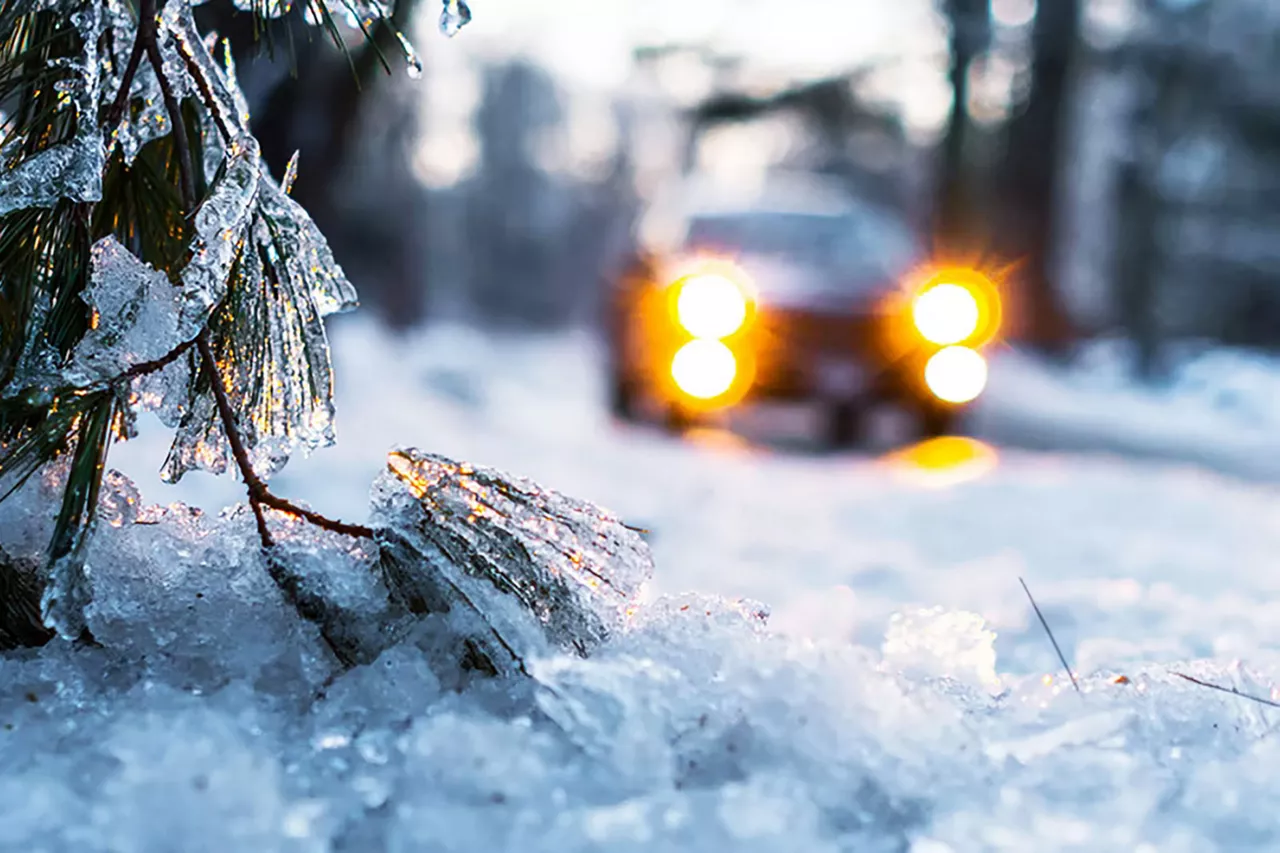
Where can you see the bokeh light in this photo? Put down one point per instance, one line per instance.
(704, 369)
(956, 374)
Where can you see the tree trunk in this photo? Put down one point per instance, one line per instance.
(1036, 139)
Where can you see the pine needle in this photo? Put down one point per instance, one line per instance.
(1231, 690)
(1049, 631)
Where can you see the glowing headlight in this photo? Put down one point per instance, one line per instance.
(704, 369)
(711, 306)
(946, 314)
(956, 374)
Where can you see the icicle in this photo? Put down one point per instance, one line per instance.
(290, 174)
(221, 224)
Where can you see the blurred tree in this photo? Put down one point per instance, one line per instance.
(1199, 184)
(953, 227)
(540, 234)
(513, 207)
(1029, 192)
(849, 135)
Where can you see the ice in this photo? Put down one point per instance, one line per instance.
(220, 226)
(290, 174)
(192, 59)
(938, 643)
(152, 119)
(271, 345)
(568, 571)
(72, 170)
(37, 174)
(455, 15)
(135, 315)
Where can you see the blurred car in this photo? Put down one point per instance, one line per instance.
(794, 292)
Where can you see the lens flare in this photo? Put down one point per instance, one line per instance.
(956, 374)
(946, 313)
(704, 369)
(711, 306)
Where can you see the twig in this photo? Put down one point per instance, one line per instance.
(1231, 690)
(1049, 631)
(251, 480)
(146, 24)
(180, 142)
(160, 363)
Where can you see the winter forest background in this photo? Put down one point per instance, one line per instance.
(1125, 151)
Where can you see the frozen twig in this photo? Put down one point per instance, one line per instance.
(259, 494)
(146, 23)
(1049, 631)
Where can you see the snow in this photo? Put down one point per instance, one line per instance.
(899, 696)
(1216, 408)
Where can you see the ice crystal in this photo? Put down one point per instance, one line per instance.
(136, 315)
(221, 224)
(568, 571)
(72, 170)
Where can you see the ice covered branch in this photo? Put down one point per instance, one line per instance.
(259, 494)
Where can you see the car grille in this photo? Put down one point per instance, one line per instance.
(804, 335)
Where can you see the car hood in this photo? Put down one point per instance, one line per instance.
(782, 283)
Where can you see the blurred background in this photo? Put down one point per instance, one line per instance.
(1123, 152)
(1118, 159)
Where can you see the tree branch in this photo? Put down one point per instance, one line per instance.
(259, 494)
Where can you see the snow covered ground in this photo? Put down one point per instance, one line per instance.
(902, 698)
(1218, 408)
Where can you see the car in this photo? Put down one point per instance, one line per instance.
(794, 295)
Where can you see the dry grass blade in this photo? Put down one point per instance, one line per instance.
(1049, 631)
(1231, 690)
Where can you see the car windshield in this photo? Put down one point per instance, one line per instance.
(856, 245)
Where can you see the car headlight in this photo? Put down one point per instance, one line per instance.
(704, 369)
(946, 313)
(956, 374)
(711, 306)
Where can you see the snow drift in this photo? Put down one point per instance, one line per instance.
(211, 717)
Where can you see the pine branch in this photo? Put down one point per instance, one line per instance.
(259, 494)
